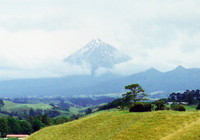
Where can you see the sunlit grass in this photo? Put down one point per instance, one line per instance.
(124, 125)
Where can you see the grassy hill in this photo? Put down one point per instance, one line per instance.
(122, 125)
(10, 106)
(16, 107)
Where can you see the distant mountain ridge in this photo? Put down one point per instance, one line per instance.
(151, 80)
(97, 54)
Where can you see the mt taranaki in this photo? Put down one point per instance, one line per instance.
(97, 54)
(94, 55)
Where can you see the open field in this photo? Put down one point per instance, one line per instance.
(190, 107)
(165, 125)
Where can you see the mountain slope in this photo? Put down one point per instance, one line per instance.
(65, 86)
(166, 125)
(97, 54)
(151, 80)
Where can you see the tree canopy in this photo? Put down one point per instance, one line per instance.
(135, 93)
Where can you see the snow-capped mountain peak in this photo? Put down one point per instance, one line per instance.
(96, 41)
(97, 54)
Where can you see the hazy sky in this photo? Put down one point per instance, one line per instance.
(36, 35)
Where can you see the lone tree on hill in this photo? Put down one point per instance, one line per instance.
(135, 94)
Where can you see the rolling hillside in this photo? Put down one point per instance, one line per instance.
(122, 125)
(10, 106)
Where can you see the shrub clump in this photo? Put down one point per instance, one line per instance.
(178, 107)
(198, 107)
(140, 107)
(160, 105)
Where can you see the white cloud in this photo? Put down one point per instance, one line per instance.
(53, 68)
(160, 34)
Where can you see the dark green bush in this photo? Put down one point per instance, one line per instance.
(198, 107)
(178, 107)
(140, 107)
(167, 108)
(147, 106)
(136, 107)
(114, 104)
(173, 105)
(160, 105)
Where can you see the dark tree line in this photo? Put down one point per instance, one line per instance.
(187, 96)
(133, 100)
(11, 125)
(114, 104)
(1, 103)
(52, 113)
